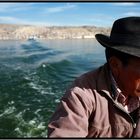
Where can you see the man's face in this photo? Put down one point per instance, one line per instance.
(129, 78)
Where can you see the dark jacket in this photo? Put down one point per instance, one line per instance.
(88, 110)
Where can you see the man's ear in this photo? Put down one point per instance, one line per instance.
(115, 65)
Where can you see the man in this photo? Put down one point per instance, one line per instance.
(105, 102)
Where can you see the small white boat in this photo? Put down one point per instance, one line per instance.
(32, 38)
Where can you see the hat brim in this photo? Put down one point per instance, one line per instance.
(105, 42)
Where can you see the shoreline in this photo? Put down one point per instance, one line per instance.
(46, 39)
(24, 32)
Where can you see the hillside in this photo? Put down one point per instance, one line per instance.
(24, 32)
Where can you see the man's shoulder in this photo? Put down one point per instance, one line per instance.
(89, 78)
(91, 74)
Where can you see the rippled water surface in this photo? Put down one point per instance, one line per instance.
(33, 77)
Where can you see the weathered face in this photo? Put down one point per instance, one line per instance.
(128, 77)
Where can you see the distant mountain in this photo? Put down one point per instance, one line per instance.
(21, 32)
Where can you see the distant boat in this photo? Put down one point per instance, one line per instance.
(32, 38)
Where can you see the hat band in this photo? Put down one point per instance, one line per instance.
(125, 39)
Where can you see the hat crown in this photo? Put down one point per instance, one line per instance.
(129, 25)
(124, 37)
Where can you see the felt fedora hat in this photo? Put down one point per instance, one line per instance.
(124, 36)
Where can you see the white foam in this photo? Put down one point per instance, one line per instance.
(57, 101)
(43, 65)
(32, 122)
(41, 125)
(38, 110)
(34, 86)
(11, 102)
(8, 111)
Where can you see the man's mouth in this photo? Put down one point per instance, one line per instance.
(138, 90)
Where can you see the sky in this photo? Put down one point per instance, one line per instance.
(101, 14)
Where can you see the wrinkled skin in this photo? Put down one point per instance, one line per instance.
(128, 76)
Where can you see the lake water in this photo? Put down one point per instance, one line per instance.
(33, 77)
